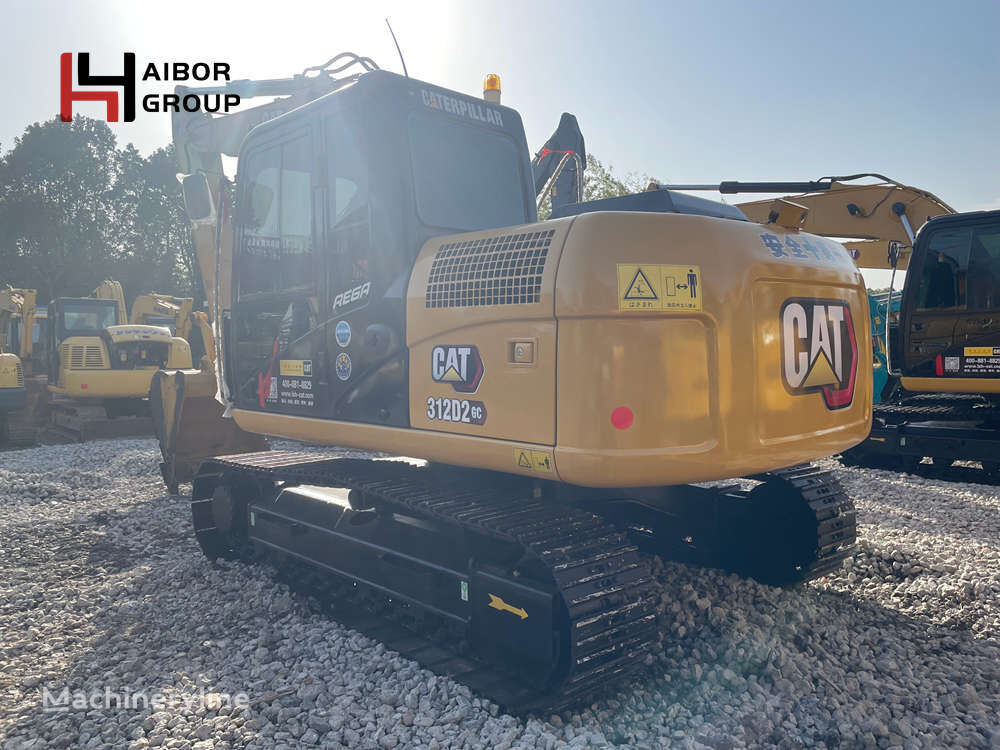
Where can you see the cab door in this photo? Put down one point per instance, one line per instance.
(953, 327)
(363, 308)
(277, 351)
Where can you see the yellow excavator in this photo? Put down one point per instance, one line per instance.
(23, 331)
(13, 395)
(937, 342)
(379, 280)
(178, 315)
(100, 366)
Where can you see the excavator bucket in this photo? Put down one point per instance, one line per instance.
(189, 425)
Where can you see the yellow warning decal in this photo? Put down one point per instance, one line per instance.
(528, 460)
(497, 603)
(982, 351)
(292, 367)
(658, 287)
(541, 461)
(522, 459)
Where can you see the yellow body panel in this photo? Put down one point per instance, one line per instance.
(951, 385)
(705, 386)
(11, 372)
(105, 383)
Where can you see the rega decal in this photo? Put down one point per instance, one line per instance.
(459, 366)
(356, 296)
(819, 351)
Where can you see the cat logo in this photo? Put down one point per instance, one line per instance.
(460, 366)
(819, 351)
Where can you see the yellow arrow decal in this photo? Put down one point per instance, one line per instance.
(497, 603)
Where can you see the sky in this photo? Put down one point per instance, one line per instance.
(680, 91)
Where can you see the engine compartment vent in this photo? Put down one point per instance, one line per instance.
(502, 270)
(81, 357)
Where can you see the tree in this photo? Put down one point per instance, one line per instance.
(56, 213)
(75, 209)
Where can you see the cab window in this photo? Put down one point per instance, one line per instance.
(277, 247)
(961, 269)
(348, 219)
(465, 176)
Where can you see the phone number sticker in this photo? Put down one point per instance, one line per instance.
(456, 410)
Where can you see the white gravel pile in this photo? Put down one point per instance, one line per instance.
(104, 591)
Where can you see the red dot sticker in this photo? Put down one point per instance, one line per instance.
(622, 418)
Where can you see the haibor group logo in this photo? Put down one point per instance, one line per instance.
(819, 350)
(120, 98)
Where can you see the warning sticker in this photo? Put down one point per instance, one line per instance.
(658, 288)
(528, 460)
(540, 461)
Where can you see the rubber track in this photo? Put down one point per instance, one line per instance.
(606, 586)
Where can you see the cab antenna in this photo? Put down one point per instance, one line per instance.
(397, 47)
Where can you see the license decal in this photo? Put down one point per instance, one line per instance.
(457, 410)
(819, 351)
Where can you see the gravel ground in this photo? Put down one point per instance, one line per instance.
(104, 591)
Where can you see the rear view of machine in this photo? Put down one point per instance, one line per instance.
(383, 283)
(100, 366)
(935, 343)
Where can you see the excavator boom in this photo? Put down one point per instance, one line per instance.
(867, 217)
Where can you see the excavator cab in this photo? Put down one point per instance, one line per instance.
(334, 203)
(950, 313)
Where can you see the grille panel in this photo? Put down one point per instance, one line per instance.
(19, 374)
(82, 357)
(502, 270)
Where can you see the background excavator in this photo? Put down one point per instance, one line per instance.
(383, 283)
(14, 426)
(937, 341)
(23, 332)
(178, 315)
(100, 366)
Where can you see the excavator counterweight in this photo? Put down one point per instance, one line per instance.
(936, 349)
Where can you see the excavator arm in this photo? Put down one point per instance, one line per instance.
(18, 303)
(865, 217)
(112, 290)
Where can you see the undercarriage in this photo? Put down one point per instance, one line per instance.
(942, 427)
(535, 594)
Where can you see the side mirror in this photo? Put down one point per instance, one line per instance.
(198, 198)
